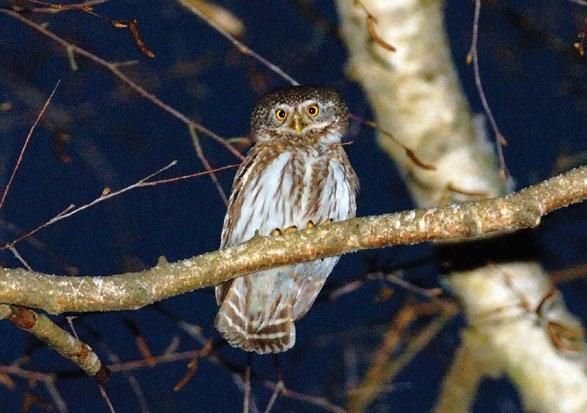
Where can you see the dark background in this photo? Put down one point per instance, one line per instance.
(534, 81)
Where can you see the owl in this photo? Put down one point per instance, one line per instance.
(296, 175)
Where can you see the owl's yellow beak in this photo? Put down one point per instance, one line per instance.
(298, 124)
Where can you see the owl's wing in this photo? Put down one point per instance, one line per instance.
(307, 287)
(222, 290)
(305, 293)
(229, 220)
(253, 193)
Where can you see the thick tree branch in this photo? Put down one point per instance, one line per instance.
(524, 209)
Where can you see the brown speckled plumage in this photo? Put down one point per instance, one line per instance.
(289, 178)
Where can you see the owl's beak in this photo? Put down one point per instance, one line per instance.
(298, 124)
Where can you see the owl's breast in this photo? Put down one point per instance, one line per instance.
(293, 188)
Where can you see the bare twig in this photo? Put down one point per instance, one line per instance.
(569, 274)
(200, 153)
(40, 246)
(410, 153)
(60, 340)
(189, 176)
(313, 400)
(384, 367)
(240, 46)
(58, 8)
(395, 279)
(106, 399)
(26, 143)
(182, 356)
(47, 379)
(247, 388)
(72, 210)
(20, 258)
(274, 395)
(473, 57)
(107, 194)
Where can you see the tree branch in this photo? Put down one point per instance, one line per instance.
(67, 345)
(524, 209)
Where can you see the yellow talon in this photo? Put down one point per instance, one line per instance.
(291, 229)
(276, 232)
(310, 225)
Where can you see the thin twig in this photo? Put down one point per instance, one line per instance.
(26, 143)
(247, 388)
(106, 398)
(200, 153)
(384, 367)
(306, 398)
(274, 395)
(33, 376)
(40, 246)
(72, 209)
(20, 258)
(473, 57)
(410, 153)
(240, 46)
(189, 176)
(58, 8)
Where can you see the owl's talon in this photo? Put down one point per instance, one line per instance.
(275, 233)
(291, 229)
(257, 235)
(310, 225)
(327, 222)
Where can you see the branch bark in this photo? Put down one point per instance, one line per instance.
(57, 338)
(57, 294)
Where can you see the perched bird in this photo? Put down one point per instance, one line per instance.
(296, 175)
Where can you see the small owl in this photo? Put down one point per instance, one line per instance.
(296, 175)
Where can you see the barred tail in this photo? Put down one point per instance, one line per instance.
(263, 332)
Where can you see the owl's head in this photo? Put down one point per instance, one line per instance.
(299, 112)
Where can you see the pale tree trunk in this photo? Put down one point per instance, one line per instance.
(416, 95)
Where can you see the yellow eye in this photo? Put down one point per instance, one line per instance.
(312, 110)
(281, 115)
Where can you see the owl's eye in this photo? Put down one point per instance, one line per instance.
(312, 110)
(281, 115)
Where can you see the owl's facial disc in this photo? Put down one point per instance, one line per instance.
(299, 112)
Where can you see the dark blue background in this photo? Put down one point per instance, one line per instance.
(534, 81)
